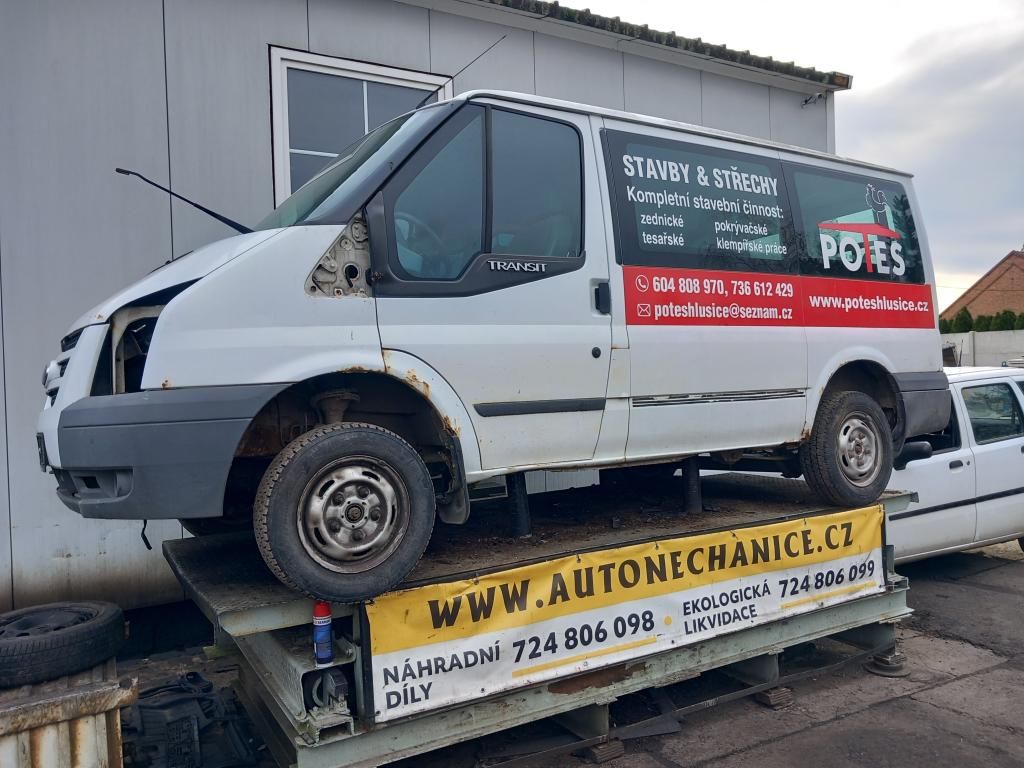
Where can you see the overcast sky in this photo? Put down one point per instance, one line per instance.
(938, 90)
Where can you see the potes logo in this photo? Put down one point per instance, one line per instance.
(883, 254)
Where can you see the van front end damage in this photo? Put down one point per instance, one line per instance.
(153, 454)
(118, 451)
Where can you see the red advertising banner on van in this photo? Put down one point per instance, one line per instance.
(669, 296)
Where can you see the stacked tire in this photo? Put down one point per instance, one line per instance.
(45, 642)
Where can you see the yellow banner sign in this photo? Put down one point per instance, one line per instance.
(532, 593)
(441, 644)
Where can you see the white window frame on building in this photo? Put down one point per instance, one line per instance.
(283, 59)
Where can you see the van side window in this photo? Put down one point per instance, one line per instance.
(994, 412)
(837, 212)
(682, 204)
(536, 188)
(438, 218)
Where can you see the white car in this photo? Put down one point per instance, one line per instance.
(971, 488)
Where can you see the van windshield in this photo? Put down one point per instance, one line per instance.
(317, 198)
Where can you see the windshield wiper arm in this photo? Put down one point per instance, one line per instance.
(222, 219)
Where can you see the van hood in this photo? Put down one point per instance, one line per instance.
(184, 269)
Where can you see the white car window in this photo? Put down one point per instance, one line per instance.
(994, 412)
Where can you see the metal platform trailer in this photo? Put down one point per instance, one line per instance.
(612, 594)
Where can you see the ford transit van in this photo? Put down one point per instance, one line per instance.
(494, 284)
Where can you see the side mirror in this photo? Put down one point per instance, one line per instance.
(915, 451)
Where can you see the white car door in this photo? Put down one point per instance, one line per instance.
(944, 517)
(997, 431)
(494, 240)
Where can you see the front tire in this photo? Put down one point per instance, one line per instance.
(848, 459)
(344, 512)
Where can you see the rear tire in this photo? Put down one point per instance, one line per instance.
(344, 512)
(848, 459)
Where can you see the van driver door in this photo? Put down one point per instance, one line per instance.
(494, 251)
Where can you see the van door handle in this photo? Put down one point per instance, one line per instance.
(956, 464)
(603, 298)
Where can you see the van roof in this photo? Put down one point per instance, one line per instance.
(660, 122)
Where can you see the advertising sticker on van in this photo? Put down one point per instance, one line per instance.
(869, 246)
(709, 236)
(666, 296)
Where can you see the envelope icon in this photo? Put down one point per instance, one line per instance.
(643, 310)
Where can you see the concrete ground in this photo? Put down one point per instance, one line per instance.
(961, 705)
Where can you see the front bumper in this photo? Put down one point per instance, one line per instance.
(154, 454)
(926, 402)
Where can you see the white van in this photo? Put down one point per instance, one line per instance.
(494, 284)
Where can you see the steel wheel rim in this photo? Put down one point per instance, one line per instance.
(353, 514)
(859, 449)
(45, 620)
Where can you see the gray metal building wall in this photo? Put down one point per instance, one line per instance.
(179, 90)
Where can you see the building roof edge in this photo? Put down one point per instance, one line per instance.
(834, 81)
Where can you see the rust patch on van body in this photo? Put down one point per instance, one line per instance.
(410, 377)
(451, 427)
(416, 382)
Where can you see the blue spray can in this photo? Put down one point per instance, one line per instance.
(323, 634)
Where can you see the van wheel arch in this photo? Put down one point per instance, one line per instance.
(848, 458)
(874, 380)
(361, 396)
